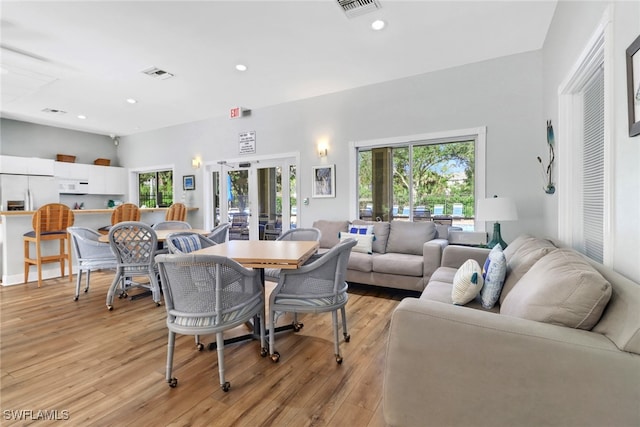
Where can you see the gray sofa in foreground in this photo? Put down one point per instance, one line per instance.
(452, 365)
(403, 255)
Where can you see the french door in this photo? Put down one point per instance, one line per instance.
(258, 198)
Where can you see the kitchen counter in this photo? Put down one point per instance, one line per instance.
(13, 224)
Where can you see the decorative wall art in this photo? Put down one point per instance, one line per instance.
(189, 182)
(324, 178)
(633, 86)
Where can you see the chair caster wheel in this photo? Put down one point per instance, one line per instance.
(76, 298)
(157, 304)
(347, 337)
(86, 290)
(275, 357)
(298, 326)
(263, 352)
(110, 307)
(200, 346)
(173, 382)
(339, 359)
(226, 386)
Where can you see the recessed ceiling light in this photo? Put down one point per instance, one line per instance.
(378, 24)
(241, 67)
(131, 101)
(82, 116)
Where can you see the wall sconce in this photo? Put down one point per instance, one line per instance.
(195, 163)
(323, 149)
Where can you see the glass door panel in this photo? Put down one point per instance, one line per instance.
(238, 206)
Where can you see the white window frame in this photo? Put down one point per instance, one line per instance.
(597, 53)
(479, 135)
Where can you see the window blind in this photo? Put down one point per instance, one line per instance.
(593, 168)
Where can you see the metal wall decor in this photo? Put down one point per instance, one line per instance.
(547, 171)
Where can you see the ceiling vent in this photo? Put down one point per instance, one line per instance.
(54, 111)
(157, 73)
(353, 8)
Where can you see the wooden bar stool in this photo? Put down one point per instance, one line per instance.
(176, 212)
(123, 212)
(50, 222)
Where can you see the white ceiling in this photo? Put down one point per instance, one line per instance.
(86, 57)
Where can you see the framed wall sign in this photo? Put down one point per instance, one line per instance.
(324, 181)
(633, 86)
(189, 182)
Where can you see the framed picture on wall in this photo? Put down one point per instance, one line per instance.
(633, 86)
(324, 181)
(189, 182)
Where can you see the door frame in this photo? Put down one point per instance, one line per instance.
(222, 165)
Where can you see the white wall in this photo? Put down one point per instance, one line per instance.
(503, 94)
(31, 140)
(572, 26)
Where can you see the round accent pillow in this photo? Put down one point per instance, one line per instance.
(467, 282)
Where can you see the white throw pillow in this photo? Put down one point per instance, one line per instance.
(467, 282)
(364, 241)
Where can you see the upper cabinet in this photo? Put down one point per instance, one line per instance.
(26, 165)
(107, 180)
(66, 170)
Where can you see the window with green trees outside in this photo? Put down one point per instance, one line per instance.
(155, 189)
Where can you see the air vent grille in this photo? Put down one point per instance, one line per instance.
(157, 73)
(53, 111)
(354, 8)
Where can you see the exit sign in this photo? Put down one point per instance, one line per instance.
(235, 112)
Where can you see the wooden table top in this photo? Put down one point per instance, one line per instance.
(264, 253)
(162, 234)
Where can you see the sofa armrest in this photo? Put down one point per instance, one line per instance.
(454, 365)
(432, 254)
(454, 256)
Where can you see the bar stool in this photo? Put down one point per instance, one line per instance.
(50, 222)
(123, 212)
(176, 212)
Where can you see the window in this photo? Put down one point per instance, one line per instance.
(155, 189)
(425, 180)
(586, 165)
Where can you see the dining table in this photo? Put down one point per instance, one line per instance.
(261, 254)
(162, 234)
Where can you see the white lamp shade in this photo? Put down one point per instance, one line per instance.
(496, 209)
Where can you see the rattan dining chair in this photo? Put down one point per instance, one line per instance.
(134, 244)
(314, 288)
(91, 254)
(183, 242)
(49, 222)
(176, 212)
(294, 234)
(220, 232)
(208, 294)
(171, 225)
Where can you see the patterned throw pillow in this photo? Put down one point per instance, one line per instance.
(360, 229)
(494, 273)
(364, 241)
(467, 282)
(186, 244)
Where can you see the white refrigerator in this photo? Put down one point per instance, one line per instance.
(34, 190)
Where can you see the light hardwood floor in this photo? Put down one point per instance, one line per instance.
(102, 368)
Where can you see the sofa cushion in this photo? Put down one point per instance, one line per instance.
(401, 264)
(409, 237)
(562, 289)
(493, 272)
(467, 282)
(330, 231)
(528, 252)
(381, 231)
(364, 241)
(360, 262)
(444, 274)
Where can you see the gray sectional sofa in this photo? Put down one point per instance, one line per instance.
(404, 254)
(560, 348)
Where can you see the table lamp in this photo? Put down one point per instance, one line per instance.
(496, 209)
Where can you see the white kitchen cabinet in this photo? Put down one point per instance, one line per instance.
(26, 165)
(66, 170)
(107, 180)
